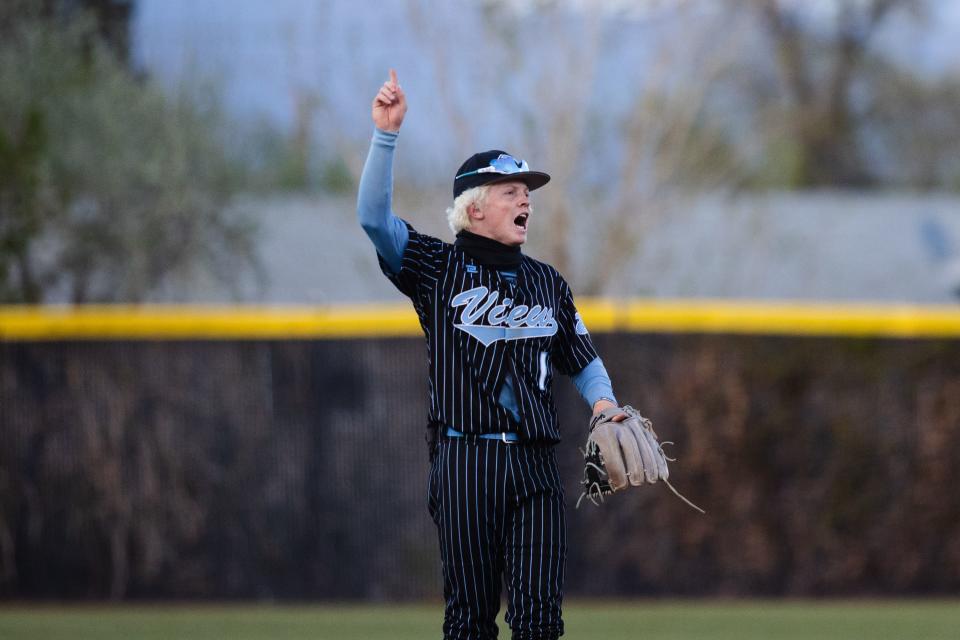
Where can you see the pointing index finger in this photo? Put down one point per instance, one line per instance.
(393, 77)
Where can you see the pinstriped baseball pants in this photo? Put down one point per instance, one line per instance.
(499, 513)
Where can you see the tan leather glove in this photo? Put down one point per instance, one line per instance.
(624, 450)
(628, 448)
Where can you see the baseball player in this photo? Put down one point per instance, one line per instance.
(498, 326)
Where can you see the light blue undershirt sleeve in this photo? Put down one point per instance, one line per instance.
(388, 232)
(592, 381)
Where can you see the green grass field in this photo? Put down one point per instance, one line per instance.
(674, 620)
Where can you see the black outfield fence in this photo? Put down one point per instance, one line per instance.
(297, 469)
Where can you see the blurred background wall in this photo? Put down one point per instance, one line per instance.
(166, 150)
(298, 470)
(195, 152)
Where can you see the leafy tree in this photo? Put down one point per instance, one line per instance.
(24, 213)
(833, 107)
(111, 191)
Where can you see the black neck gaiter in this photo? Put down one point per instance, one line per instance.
(488, 252)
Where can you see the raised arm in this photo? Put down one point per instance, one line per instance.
(387, 232)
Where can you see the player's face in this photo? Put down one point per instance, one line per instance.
(505, 214)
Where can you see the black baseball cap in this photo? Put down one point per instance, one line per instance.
(488, 167)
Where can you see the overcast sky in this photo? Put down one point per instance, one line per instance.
(261, 52)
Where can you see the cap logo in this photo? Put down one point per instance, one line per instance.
(503, 164)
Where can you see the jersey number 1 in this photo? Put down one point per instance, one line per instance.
(543, 370)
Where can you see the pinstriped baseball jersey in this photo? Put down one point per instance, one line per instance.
(479, 328)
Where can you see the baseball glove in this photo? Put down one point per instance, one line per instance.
(620, 451)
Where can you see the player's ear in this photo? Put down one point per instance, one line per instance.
(474, 212)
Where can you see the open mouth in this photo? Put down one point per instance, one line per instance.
(521, 220)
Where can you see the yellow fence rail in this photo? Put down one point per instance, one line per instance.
(179, 322)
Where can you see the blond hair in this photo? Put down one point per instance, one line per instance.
(457, 216)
